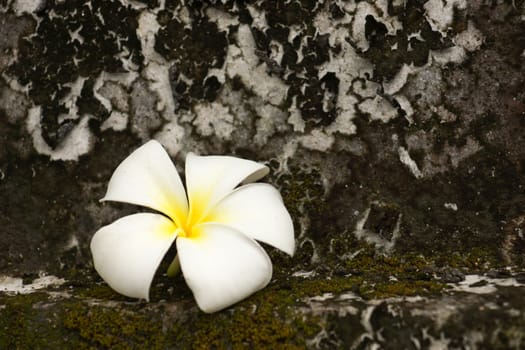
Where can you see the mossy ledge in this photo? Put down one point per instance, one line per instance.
(295, 311)
(292, 312)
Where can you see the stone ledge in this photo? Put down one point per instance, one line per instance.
(480, 312)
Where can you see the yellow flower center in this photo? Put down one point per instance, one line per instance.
(186, 222)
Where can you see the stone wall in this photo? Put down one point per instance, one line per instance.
(394, 130)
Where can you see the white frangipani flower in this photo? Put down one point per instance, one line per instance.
(215, 226)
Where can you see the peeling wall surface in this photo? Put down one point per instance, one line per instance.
(395, 131)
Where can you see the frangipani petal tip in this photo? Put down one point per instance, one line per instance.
(222, 266)
(257, 210)
(147, 177)
(126, 253)
(211, 178)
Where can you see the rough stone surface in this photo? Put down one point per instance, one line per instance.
(393, 129)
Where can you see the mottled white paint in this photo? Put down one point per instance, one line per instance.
(451, 206)
(323, 297)
(26, 6)
(378, 108)
(117, 121)
(70, 100)
(439, 311)
(304, 274)
(444, 114)
(471, 284)
(342, 124)
(383, 244)
(347, 66)
(405, 158)
(440, 13)
(295, 119)
(222, 19)
(259, 18)
(270, 120)
(470, 39)
(172, 137)
(399, 80)
(365, 9)
(328, 303)
(78, 142)
(317, 140)
(454, 54)
(156, 67)
(276, 51)
(214, 119)
(16, 285)
(440, 343)
(406, 106)
(242, 61)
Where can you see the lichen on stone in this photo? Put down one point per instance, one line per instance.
(392, 130)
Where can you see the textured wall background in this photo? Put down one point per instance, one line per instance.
(394, 130)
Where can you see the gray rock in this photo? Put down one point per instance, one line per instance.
(393, 131)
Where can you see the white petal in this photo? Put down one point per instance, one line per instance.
(126, 253)
(211, 178)
(148, 177)
(222, 266)
(258, 211)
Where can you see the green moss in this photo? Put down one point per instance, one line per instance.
(21, 327)
(263, 321)
(369, 261)
(38, 320)
(477, 258)
(513, 335)
(367, 288)
(101, 291)
(268, 318)
(93, 319)
(401, 288)
(96, 317)
(105, 327)
(301, 192)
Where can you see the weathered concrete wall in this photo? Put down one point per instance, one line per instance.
(394, 131)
